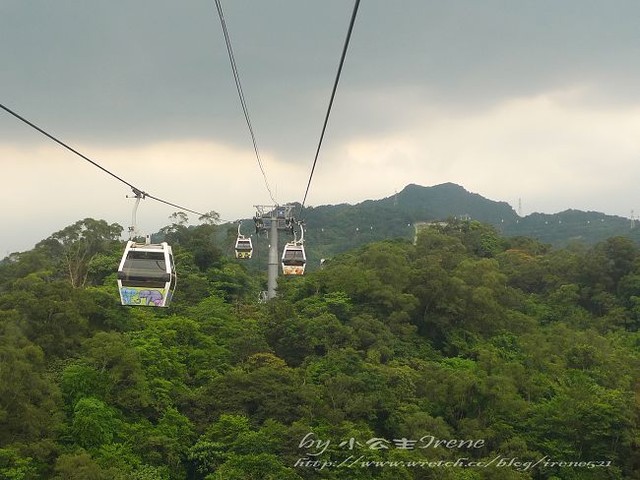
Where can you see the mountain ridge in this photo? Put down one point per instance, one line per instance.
(333, 229)
(330, 229)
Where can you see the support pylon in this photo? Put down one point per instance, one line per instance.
(272, 218)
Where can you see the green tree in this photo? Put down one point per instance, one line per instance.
(262, 466)
(78, 244)
(94, 423)
(167, 443)
(14, 466)
(29, 400)
(49, 312)
(112, 355)
(79, 380)
(262, 387)
(79, 466)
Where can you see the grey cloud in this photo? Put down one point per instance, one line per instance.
(140, 71)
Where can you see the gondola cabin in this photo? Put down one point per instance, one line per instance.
(244, 247)
(293, 259)
(147, 275)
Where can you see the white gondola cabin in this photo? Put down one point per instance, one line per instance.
(293, 259)
(146, 275)
(244, 247)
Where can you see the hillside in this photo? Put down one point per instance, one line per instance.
(332, 229)
(466, 355)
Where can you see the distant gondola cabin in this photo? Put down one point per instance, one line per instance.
(243, 248)
(293, 259)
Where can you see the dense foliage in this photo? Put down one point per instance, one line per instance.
(463, 347)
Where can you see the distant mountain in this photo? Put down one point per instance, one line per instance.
(450, 200)
(559, 229)
(332, 229)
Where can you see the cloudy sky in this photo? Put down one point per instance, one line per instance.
(535, 100)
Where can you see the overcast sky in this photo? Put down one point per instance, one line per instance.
(534, 100)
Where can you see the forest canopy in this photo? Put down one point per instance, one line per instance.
(462, 355)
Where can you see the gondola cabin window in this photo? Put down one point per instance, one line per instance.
(145, 269)
(294, 257)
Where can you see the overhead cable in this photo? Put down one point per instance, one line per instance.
(333, 94)
(136, 190)
(245, 110)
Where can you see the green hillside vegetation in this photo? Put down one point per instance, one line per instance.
(466, 346)
(334, 229)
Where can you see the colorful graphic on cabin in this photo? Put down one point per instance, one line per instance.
(293, 270)
(151, 297)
